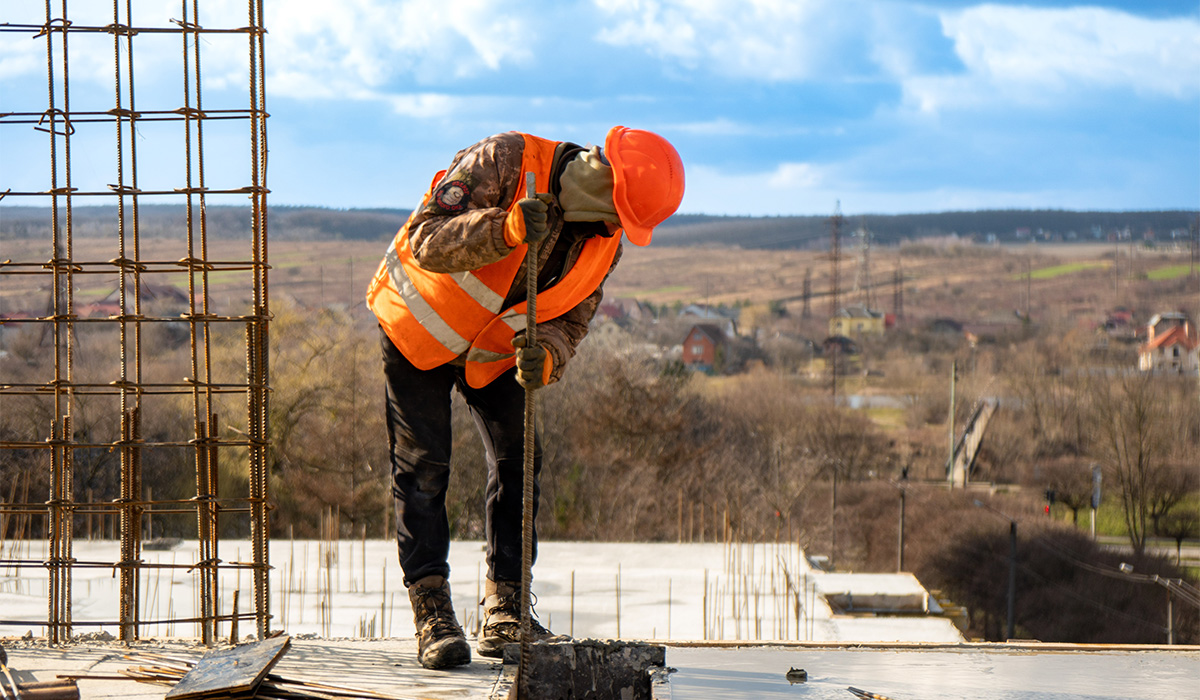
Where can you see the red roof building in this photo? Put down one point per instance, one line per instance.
(1171, 345)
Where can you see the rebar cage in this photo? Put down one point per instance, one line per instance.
(93, 302)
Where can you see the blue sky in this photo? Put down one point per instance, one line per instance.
(777, 107)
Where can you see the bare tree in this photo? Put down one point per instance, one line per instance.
(1134, 428)
(1071, 482)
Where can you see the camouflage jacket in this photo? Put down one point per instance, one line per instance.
(456, 235)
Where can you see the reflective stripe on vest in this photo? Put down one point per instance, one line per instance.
(421, 310)
(434, 317)
(512, 319)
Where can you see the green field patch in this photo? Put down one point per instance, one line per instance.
(888, 418)
(673, 289)
(1049, 273)
(1169, 273)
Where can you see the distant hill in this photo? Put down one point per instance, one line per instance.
(163, 220)
(770, 233)
(1007, 225)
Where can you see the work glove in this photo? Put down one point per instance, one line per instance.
(533, 210)
(531, 363)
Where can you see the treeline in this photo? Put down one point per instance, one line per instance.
(800, 232)
(771, 233)
(221, 222)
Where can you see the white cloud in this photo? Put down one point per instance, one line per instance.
(1038, 55)
(764, 40)
(791, 188)
(364, 44)
(803, 189)
(315, 48)
(789, 175)
(17, 60)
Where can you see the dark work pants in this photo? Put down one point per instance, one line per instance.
(419, 435)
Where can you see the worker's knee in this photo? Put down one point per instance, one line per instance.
(417, 473)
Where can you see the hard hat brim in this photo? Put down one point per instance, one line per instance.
(637, 235)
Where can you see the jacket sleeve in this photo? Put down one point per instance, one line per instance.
(561, 336)
(461, 226)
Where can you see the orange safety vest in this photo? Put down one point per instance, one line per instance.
(433, 317)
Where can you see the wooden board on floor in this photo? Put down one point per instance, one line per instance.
(233, 672)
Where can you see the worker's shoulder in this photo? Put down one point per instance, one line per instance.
(506, 147)
(506, 139)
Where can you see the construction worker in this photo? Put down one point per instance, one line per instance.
(450, 300)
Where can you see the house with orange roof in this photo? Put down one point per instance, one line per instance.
(1171, 345)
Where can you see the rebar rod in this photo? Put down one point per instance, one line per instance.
(57, 322)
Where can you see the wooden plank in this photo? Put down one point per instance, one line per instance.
(233, 672)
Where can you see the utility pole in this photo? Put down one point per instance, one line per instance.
(1028, 285)
(1194, 248)
(898, 290)
(1116, 259)
(832, 514)
(835, 252)
(862, 276)
(950, 462)
(806, 294)
(1012, 578)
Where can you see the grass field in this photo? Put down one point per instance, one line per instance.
(1169, 273)
(1049, 273)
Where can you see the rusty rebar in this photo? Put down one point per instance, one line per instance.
(58, 322)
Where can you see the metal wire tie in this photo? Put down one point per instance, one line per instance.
(52, 112)
(128, 264)
(195, 263)
(186, 25)
(49, 27)
(120, 29)
(62, 263)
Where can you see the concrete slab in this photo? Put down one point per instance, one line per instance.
(702, 670)
(936, 672)
(381, 665)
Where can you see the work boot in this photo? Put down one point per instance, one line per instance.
(440, 641)
(502, 620)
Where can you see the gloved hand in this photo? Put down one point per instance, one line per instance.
(533, 210)
(531, 363)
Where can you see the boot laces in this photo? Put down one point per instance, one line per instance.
(437, 612)
(511, 605)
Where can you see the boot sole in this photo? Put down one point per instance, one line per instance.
(492, 648)
(457, 653)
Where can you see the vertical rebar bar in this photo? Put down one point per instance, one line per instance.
(259, 371)
(70, 385)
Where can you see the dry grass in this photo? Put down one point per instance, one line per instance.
(969, 283)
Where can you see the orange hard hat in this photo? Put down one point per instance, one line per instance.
(647, 180)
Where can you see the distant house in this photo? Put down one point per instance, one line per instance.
(857, 321)
(609, 332)
(702, 347)
(99, 309)
(702, 314)
(842, 351)
(1119, 321)
(1171, 345)
(624, 308)
(840, 344)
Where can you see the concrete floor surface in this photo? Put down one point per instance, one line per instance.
(382, 665)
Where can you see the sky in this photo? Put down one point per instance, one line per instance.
(777, 107)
